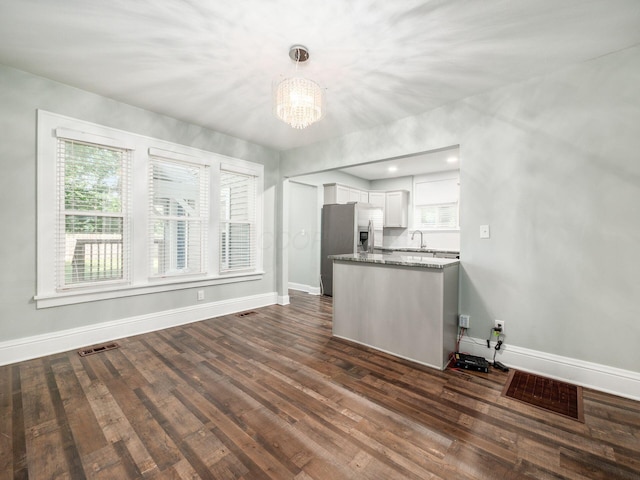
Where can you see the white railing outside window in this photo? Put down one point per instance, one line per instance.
(92, 185)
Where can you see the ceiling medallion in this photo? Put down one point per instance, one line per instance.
(298, 101)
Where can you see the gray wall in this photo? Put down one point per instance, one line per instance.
(304, 264)
(20, 95)
(303, 239)
(398, 183)
(401, 237)
(551, 164)
(334, 176)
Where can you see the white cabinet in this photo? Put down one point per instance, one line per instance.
(377, 199)
(394, 204)
(342, 194)
(336, 193)
(396, 210)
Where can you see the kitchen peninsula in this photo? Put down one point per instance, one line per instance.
(406, 305)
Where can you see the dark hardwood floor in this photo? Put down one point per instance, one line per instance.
(271, 395)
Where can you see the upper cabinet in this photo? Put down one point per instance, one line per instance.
(336, 193)
(377, 199)
(395, 204)
(396, 210)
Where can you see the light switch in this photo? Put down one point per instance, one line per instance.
(484, 231)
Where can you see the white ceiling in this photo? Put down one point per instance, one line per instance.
(213, 62)
(408, 165)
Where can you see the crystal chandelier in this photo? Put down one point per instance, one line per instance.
(298, 101)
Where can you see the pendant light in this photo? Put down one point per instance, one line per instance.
(298, 101)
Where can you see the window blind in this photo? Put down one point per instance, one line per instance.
(99, 239)
(434, 217)
(435, 192)
(178, 217)
(436, 204)
(238, 241)
(93, 203)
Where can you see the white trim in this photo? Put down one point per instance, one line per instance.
(47, 295)
(70, 134)
(304, 288)
(283, 300)
(18, 350)
(243, 167)
(624, 383)
(256, 218)
(175, 156)
(156, 286)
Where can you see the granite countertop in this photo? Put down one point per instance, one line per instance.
(400, 260)
(416, 249)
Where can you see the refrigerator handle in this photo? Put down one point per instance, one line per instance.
(370, 234)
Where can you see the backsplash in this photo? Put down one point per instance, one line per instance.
(401, 237)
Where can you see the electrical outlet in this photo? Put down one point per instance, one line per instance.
(463, 321)
(499, 325)
(200, 295)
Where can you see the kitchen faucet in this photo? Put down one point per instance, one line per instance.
(422, 244)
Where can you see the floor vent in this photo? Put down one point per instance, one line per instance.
(246, 314)
(97, 349)
(551, 395)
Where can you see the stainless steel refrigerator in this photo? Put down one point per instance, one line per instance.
(347, 228)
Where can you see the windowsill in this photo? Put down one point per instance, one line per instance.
(155, 286)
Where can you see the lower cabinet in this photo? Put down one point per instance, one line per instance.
(411, 312)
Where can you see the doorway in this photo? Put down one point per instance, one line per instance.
(303, 239)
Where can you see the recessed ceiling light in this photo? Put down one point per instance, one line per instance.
(452, 159)
(392, 168)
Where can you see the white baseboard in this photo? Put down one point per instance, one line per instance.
(624, 383)
(283, 300)
(304, 288)
(18, 350)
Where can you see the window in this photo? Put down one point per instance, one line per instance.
(120, 214)
(237, 221)
(178, 218)
(436, 202)
(92, 186)
(434, 217)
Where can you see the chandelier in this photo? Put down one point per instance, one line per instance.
(298, 101)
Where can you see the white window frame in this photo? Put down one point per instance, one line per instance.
(142, 147)
(201, 209)
(78, 138)
(256, 214)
